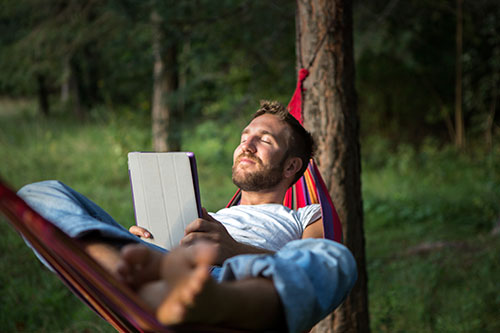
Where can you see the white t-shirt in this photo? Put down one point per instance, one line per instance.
(268, 226)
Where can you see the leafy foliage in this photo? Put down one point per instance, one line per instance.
(233, 53)
(405, 53)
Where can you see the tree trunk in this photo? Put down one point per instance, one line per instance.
(165, 83)
(43, 95)
(325, 47)
(91, 57)
(66, 78)
(459, 119)
(491, 114)
(75, 88)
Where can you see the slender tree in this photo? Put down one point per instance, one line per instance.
(165, 83)
(459, 118)
(43, 95)
(325, 45)
(75, 89)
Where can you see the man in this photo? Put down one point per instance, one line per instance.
(272, 277)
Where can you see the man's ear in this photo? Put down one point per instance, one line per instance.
(292, 166)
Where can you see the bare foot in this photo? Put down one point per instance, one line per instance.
(178, 289)
(186, 271)
(138, 265)
(105, 254)
(173, 285)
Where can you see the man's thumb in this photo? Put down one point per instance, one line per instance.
(205, 215)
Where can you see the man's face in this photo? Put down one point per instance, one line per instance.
(259, 160)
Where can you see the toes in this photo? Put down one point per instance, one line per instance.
(171, 312)
(135, 254)
(139, 264)
(203, 253)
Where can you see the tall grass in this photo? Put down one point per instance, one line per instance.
(432, 263)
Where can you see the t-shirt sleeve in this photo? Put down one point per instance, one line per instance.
(309, 214)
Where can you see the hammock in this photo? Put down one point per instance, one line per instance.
(110, 299)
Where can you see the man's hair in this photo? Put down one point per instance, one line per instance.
(300, 141)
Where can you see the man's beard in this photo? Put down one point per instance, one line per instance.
(265, 178)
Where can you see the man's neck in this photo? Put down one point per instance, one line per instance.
(272, 196)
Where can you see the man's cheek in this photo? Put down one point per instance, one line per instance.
(236, 153)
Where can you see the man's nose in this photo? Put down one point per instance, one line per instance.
(249, 145)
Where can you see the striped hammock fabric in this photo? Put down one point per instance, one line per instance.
(310, 188)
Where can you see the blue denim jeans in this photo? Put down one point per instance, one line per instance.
(312, 276)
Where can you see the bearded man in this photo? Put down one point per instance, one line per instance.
(258, 265)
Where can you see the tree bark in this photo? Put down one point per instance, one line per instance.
(459, 119)
(325, 46)
(165, 83)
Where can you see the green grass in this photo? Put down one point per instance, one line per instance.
(410, 198)
(90, 157)
(430, 197)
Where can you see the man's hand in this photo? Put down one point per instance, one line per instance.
(209, 229)
(140, 231)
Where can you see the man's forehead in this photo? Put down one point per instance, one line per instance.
(267, 124)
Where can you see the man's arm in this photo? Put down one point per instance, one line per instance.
(314, 230)
(209, 229)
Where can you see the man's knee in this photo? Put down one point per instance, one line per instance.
(51, 199)
(40, 189)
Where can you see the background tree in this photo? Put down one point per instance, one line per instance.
(325, 43)
(459, 119)
(165, 84)
(405, 56)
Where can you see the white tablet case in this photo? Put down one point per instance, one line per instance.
(165, 194)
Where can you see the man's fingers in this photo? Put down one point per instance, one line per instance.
(140, 231)
(196, 236)
(203, 224)
(198, 225)
(191, 238)
(193, 226)
(206, 216)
